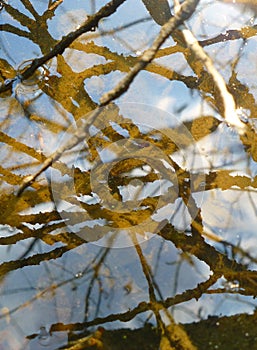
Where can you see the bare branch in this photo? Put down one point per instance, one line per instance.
(91, 22)
(185, 12)
(231, 114)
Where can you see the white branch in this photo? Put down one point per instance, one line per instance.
(231, 113)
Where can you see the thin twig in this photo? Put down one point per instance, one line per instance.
(232, 34)
(185, 12)
(76, 139)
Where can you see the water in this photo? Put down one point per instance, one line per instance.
(154, 208)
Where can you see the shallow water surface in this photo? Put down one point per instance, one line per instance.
(131, 225)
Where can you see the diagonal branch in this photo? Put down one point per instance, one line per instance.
(184, 13)
(231, 114)
(59, 48)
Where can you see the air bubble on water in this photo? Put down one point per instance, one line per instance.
(146, 168)
(231, 286)
(1, 5)
(147, 236)
(44, 336)
(38, 76)
(202, 184)
(79, 274)
(29, 89)
(243, 114)
(7, 81)
(251, 21)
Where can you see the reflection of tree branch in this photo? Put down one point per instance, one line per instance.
(123, 64)
(53, 5)
(159, 11)
(196, 246)
(223, 180)
(72, 90)
(102, 33)
(187, 9)
(77, 138)
(140, 308)
(232, 34)
(33, 260)
(80, 135)
(20, 147)
(96, 269)
(230, 113)
(219, 332)
(218, 262)
(38, 32)
(178, 336)
(91, 22)
(14, 30)
(147, 271)
(40, 294)
(23, 19)
(27, 4)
